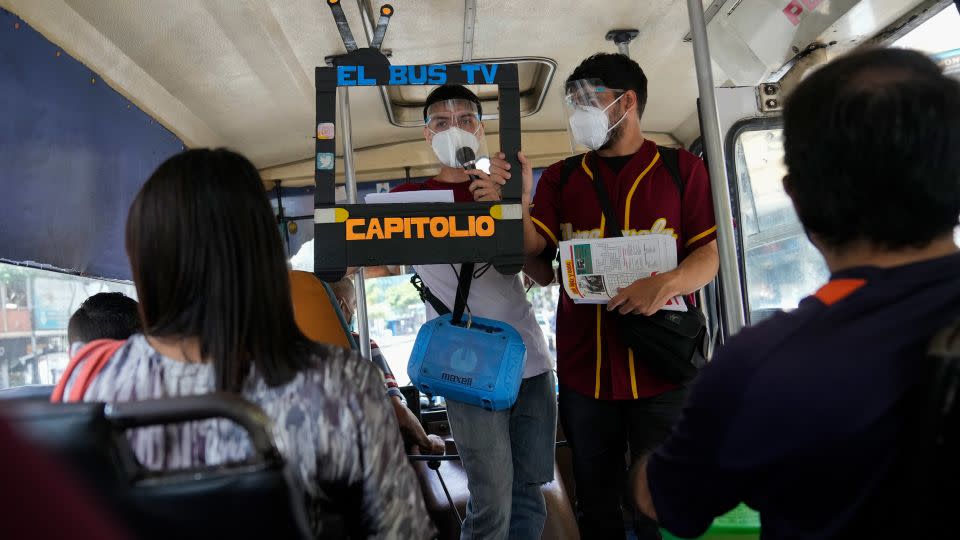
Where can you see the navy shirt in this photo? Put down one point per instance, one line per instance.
(803, 417)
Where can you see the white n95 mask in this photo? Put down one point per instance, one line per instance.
(590, 127)
(448, 145)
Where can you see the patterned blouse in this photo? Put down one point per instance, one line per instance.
(331, 423)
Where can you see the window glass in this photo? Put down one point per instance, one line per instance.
(35, 306)
(936, 35)
(782, 266)
(395, 315)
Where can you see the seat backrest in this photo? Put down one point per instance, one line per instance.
(316, 311)
(39, 392)
(258, 498)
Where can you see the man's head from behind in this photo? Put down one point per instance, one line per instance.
(109, 315)
(872, 144)
(346, 297)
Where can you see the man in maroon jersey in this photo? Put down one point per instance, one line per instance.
(609, 399)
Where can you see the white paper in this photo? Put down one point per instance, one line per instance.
(594, 270)
(424, 196)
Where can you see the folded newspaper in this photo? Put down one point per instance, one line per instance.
(594, 270)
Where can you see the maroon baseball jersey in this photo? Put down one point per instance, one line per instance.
(591, 358)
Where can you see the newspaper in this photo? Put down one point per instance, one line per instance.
(594, 270)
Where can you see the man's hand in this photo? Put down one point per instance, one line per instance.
(487, 187)
(412, 432)
(645, 296)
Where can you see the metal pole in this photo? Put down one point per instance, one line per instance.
(469, 24)
(732, 301)
(350, 178)
(624, 48)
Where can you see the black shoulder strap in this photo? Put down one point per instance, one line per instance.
(427, 296)
(464, 280)
(569, 165)
(671, 160)
(605, 206)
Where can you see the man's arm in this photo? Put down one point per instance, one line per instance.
(486, 187)
(647, 296)
(640, 488)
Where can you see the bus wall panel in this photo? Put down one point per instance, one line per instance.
(73, 154)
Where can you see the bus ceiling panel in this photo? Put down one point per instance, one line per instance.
(240, 74)
(752, 40)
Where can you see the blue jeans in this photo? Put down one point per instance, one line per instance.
(507, 456)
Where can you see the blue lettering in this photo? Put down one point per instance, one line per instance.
(437, 74)
(491, 75)
(364, 82)
(343, 76)
(470, 70)
(418, 78)
(398, 74)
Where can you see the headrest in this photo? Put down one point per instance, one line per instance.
(316, 311)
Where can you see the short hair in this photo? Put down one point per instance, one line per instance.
(872, 144)
(208, 262)
(451, 91)
(616, 71)
(107, 315)
(343, 288)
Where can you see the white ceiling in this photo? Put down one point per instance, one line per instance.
(239, 73)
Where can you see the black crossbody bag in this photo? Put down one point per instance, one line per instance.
(668, 342)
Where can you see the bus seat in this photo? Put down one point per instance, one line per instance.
(40, 392)
(255, 498)
(316, 311)
(561, 523)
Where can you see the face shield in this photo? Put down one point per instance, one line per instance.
(589, 106)
(456, 134)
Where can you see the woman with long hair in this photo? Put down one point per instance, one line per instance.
(214, 295)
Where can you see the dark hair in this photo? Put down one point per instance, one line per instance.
(451, 91)
(208, 263)
(107, 315)
(616, 71)
(872, 143)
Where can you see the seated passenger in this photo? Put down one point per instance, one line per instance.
(215, 297)
(806, 416)
(107, 315)
(411, 429)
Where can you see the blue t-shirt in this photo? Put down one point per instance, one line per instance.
(804, 416)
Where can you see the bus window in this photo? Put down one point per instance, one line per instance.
(782, 266)
(936, 35)
(395, 315)
(35, 306)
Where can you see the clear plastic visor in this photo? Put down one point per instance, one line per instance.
(456, 134)
(446, 114)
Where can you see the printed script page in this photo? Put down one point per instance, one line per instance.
(594, 270)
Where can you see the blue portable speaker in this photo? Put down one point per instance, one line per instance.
(481, 365)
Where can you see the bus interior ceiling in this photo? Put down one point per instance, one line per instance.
(240, 74)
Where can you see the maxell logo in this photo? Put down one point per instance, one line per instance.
(466, 381)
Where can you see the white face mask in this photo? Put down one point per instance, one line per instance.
(446, 143)
(590, 125)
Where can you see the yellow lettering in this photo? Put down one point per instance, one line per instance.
(392, 225)
(374, 230)
(419, 222)
(457, 233)
(439, 227)
(352, 234)
(485, 226)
